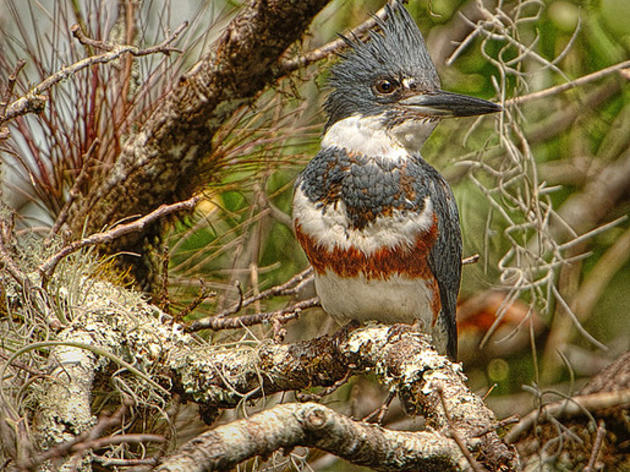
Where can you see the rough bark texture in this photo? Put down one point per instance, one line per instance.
(314, 425)
(401, 358)
(161, 162)
(110, 328)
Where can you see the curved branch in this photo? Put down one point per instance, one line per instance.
(314, 425)
(401, 358)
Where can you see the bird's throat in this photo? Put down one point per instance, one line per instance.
(372, 136)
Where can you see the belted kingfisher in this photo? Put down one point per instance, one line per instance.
(378, 224)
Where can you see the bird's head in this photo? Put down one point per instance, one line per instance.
(391, 77)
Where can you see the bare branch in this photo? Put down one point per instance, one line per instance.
(203, 295)
(289, 65)
(401, 358)
(290, 287)
(48, 267)
(597, 446)
(11, 80)
(164, 47)
(574, 406)
(283, 315)
(34, 101)
(569, 85)
(60, 450)
(470, 259)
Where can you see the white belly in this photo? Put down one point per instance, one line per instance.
(395, 300)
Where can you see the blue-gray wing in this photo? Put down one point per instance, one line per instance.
(445, 257)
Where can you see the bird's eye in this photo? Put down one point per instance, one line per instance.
(385, 86)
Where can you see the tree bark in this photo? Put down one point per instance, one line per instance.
(161, 162)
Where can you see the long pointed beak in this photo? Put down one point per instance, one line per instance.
(447, 104)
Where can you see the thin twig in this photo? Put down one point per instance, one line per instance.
(290, 287)
(316, 397)
(33, 101)
(498, 425)
(61, 450)
(119, 439)
(163, 298)
(378, 415)
(456, 436)
(283, 315)
(48, 267)
(11, 80)
(22, 366)
(470, 259)
(569, 85)
(239, 288)
(492, 387)
(109, 461)
(204, 294)
(569, 407)
(163, 47)
(5, 256)
(597, 446)
(289, 65)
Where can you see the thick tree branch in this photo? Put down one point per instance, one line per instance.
(401, 358)
(314, 425)
(161, 162)
(114, 328)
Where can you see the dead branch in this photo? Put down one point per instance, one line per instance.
(140, 337)
(8, 91)
(563, 430)
(597, 447)
(283, 315)
(470, 259)
(47, 268)
(290, 287)
(60, 450)
(313, 425)
(289, 65)
(164, 47)
(203, 295)
(574, 406)
(33, 101)
(401, 358)
(568, 85)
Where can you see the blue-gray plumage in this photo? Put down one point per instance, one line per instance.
(377, 222)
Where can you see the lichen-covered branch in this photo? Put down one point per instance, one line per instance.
(314, 425)
(401, 358)
(104, 328)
